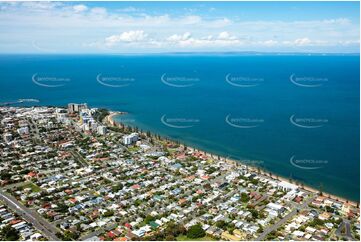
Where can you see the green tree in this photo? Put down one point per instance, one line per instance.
(8, 233)
(244, 197)
(174, 229)
(62, 208)
(221, 224)
(195, 231)
(109, 213)
(169, 237)
(5, 176)
(69, 235)
(148, 218)
(254, 213)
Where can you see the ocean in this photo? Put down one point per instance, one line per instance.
(294, 115)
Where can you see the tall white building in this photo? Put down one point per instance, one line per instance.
(129, 139)
(286, 186)
(102, 130)
(76, 108)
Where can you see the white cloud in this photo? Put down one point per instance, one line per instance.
(306, 42)
(25, 22)
(337, 21)
(176, 37)
(41, 5)
(186, 40)
(222, 39)
(98, 11)
(80, 8)
(349, 42)
(127, 37)
(192, 19)
(302, 41)
(220, 23)
(226, 36)
(268, 42)
(129, 9)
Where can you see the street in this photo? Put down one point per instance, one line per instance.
(35, 219)
(286, 218)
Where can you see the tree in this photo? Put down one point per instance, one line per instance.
(169, 237)
(174, 229)
(260, 229)
(148, 218)
(5, 176)
(329, 209)
(62, 208)
(117, 187)
(315, 222)
(221, 224)
(100, 114)
(69, 235)
(196, 231)
(254, 213)
(9, 233)
(244, 197)
(108, 213)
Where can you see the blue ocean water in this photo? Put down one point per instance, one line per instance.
(294, 115)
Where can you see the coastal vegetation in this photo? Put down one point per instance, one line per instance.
(100, 114)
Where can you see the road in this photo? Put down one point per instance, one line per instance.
(274, 227)
(47, 229)
(348, 229)
(78, 157)
(347, 233)
(35, 130)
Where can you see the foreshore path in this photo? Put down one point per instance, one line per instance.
(45, 227)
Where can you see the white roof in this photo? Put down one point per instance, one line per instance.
(298, 233)
(274, 206)
(287, 185)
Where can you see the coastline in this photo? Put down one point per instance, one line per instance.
(110, 117)
(111, 121)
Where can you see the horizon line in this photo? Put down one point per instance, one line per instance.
(183, 52)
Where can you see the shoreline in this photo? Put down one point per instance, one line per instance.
(111, 121)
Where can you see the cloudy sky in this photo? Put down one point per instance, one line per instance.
(152, 27)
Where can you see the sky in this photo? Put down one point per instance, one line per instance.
(154, 27)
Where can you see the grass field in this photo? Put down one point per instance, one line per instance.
(32, 186)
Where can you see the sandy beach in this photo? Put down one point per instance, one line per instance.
(110, 118)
